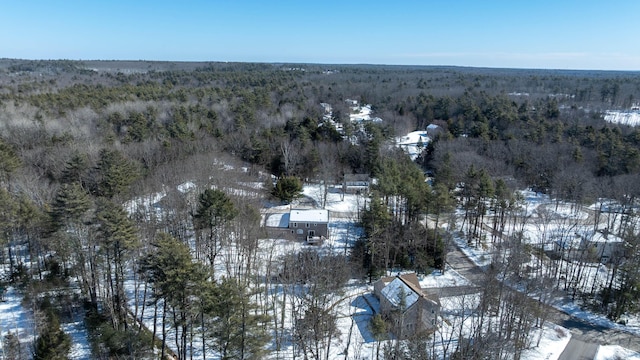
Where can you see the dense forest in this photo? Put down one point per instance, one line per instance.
(81, 142)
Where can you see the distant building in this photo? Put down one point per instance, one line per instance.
(594, 246)
(413, 143)
(356, 183)
(434, 130)
(406, 306)
(310, 225)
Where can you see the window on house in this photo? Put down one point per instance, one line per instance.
(307, 224)
(295, 224)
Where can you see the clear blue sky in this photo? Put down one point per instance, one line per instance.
(559, 34)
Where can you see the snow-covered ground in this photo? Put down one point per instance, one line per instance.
(17, 320)
(631, 118)
(481, 255)
(438, 279)
(615, 352)
(80, 348)
(553, 340)
(360, 113)
(336, 201)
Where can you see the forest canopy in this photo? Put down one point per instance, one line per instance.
(80, 141)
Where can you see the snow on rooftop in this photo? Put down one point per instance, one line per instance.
(413, 138)
(278, 220)
(361, 113)
(410, 143)
(310, 215)
(396, 290)
(186, 186)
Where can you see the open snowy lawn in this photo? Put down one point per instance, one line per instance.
(336, 201)
(438, 279)
(278, 220)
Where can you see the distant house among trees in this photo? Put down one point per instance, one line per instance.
(356, 183)
(403, 303)
(594, 246)
(413, 143)
(433, 130)
(310, 225)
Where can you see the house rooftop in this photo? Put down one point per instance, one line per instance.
(405, 286)
(397, 291)
(309, 215)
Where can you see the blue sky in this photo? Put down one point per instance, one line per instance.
(561, 34)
